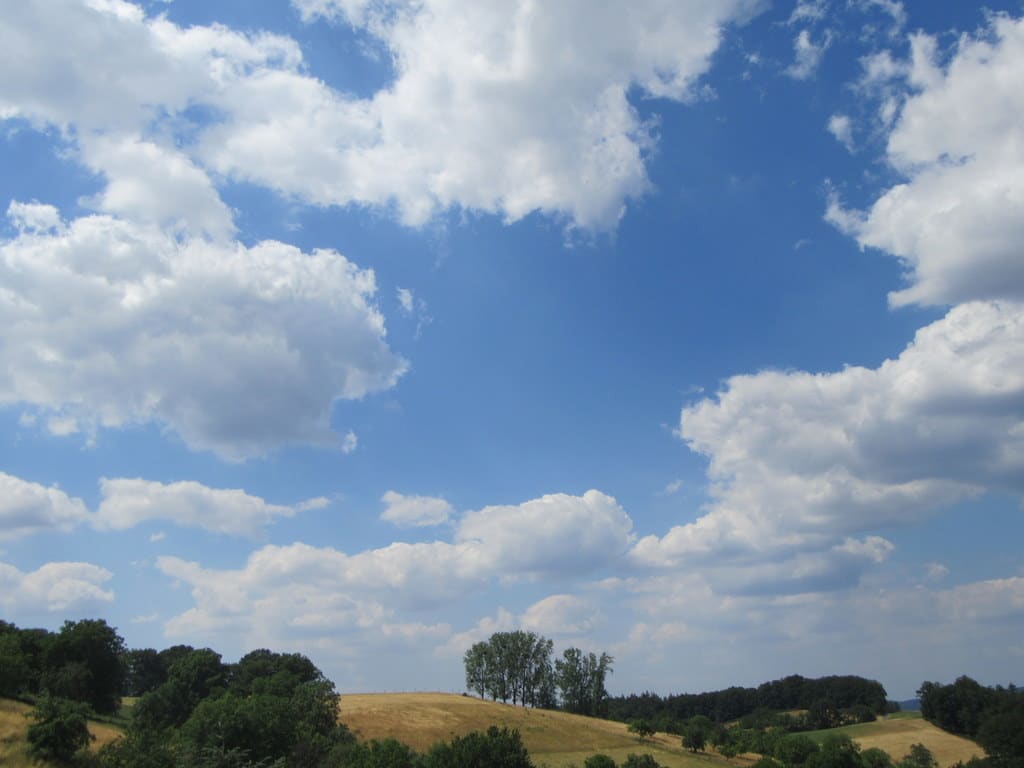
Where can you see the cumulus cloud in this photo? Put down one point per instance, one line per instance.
(27, 508)
(54, 587)
(415, 511)
(555, 533)
(128, 502)
(324, 590)
(239, 350)
(957, 221)
(799, 461)
(465, 123)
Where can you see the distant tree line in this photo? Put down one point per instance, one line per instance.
(992, 716)
(518, 666)
(828, 702)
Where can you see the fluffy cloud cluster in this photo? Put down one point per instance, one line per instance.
(312, 590)
(129, 502)
(54, 587)
(957, 222)
(106, 322)
(27, 508)
(799, 460)
(466, 122)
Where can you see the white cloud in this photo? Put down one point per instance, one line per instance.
(54, 587)
(27, 508)
(128, 502)
(405, 300)
(552, 534)
(415, 511)
(807, 55)
(158, 536)
(841, 127)
(800, 461)
(349, 442)
(671, 488)
(957, 222)
(238, 350)
(324, 591)
(466, 123)
(562, 615)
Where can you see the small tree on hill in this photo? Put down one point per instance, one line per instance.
(60, 729)
(641, 728)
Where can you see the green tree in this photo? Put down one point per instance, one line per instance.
(918, 757)
(145, 671)
(696, 732)
(641, 727)
(497, 748)
(60, 729)
(1001, 734)
(15, 672)
(873, 757)
(794, 749)
(641, 761)
(599, 761)
(85, 663)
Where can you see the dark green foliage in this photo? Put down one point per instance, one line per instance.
(822, 714)
(580, 678)
(15, 673)
(137, 749)
(918, 757)
(512, 665)
(192, 677)
(641, 761)
(837, 751)
(793, 692)
(145, 671)
(389, 753)
(84, 662)
(992, 716)
(794, 749)
(1001, 734)
(497, 748)
(60, 729)
(875, 758)
(599, 761)
(641, 728)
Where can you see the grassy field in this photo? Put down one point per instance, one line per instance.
(14, 727)
(554, 739)
(896, 733)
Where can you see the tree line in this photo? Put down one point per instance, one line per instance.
(518, 666)
(992, 716)
(828, 701)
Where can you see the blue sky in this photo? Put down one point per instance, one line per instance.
(691, 332)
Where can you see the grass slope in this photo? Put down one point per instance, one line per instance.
(554, 739)
(896, 733)
(14, 732)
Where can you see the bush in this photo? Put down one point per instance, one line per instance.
(599, 761)
(60, 729)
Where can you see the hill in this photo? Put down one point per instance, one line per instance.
(14, 729)
(554, 739)
(896, 733)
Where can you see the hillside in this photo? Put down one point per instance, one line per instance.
(554, 739)
(896, 733)
(14, 727)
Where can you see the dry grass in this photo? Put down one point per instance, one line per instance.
(896, 734)
(14, 731)
(554, 739)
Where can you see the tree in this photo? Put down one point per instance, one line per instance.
(1001, 734)
(15, 672)
(84, 662)
(145, 671)
(60, 729)
(794, 749)
(500, 748)
(581, 680)
(599, 761)
(641, 728)
(641, 761)
(873, 757)
(919, 757)
(696, 731)
(512, 665)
